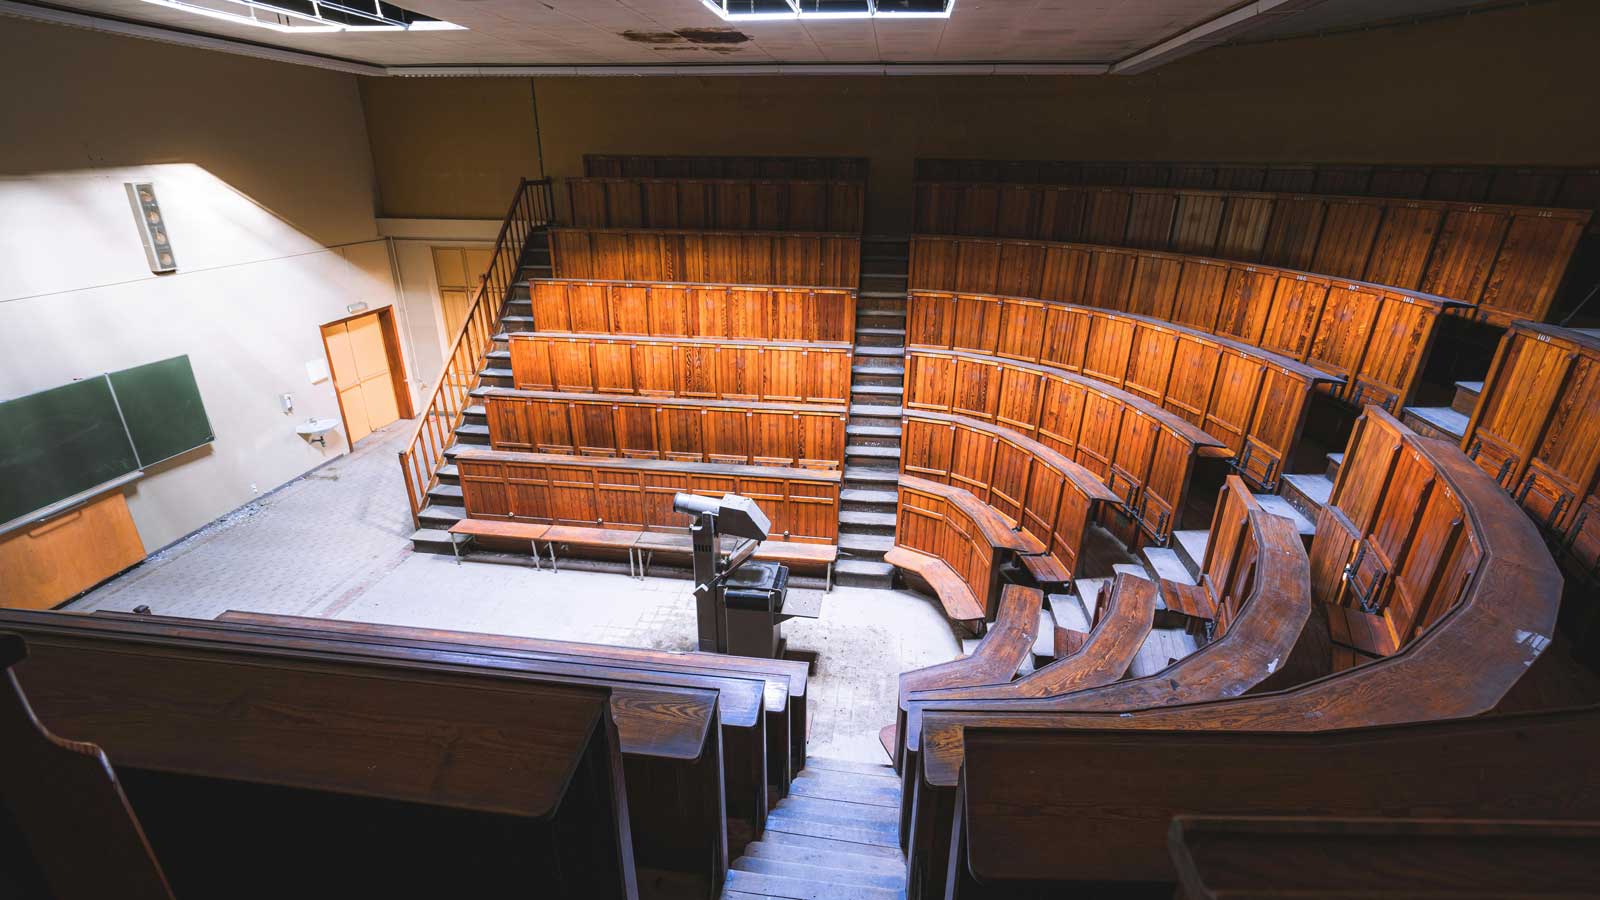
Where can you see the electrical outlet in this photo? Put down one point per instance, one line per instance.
(254, 489)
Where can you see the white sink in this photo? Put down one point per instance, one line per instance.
(317, 427)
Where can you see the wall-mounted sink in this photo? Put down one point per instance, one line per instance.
(317, 429)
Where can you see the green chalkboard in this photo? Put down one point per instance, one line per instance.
(161, 406)
(59, 442)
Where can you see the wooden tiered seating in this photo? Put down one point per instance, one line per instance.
(1141, 452)
(1466, 603)
(810, 436)
(955, 544)
(1577, 188)
(808, 259)
(1112, 823)
(1506, 261)
(657, 309)
(996, 659)
(710, 368)
(845, 168)
(637, 494)
(728, 204)
(343, 763)
(1048, 499)
(1375, 337)
(1381, 859)
(1253, 400)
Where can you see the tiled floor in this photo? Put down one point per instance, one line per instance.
(334, 544)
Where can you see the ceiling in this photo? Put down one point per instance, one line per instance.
(685, 32)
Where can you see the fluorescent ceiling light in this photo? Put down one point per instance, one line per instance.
(311, 16)
(815, 10)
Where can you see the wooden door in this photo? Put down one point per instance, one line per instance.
(456, 271)
(364, 358)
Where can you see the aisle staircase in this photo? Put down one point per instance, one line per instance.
(835, 837)
(872, 435)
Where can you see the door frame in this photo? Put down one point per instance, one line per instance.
(391, 349)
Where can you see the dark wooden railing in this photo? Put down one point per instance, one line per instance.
(532, 208)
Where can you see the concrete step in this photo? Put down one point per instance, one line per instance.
(875, 336)
(476, 412)
(752, 885)
(788, 840)
(446, 493)
(884, 354)
(876, 376)
(1278, 506)
(1335, 460)
(1435, 421)
(431, 540)
(441, 515)
(866, 522)
(820, 809)
(881, 478)
(877, 394)
(449, 474)
(1068, 611)
(863, 573)
(509, 324)
(496, 376)
(498, 357)
(872, 436)
(1089, 592)
(813, 871)
(865, 546)
(1191, 547)
(866, 500)
(867, 451)
(874, 790)
(1466, 397)
(830, 856)
(1307, 492)
(472, 434)
(882, 317)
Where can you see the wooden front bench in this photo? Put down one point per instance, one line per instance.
(468, 529)
(667, 722)
(961, 605)
(996, 660)
(332, 765)
(676, 309)
(802, 557)
(1382, 858)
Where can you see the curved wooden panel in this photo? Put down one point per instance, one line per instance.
(848, 168)
(807, 259)
(655, 309)
(716, 203)
(1138, 450)
(772, 371)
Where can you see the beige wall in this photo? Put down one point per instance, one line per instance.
(264, 174)
(1511, 86)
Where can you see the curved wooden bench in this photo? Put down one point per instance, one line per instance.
(808, 436)
(805, 259)
(996, 659)
(1505, 260)
(1048, 499)
(1474, 603)
(673, 309)
(708, 368)
(635, 495)
(1255, 401)
(1380, 334)
(1139, 451)
(737, 204)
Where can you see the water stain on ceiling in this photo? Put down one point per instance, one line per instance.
(714, 37)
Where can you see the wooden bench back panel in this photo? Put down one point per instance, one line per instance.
(803, 506)
(716, 204)
(1505, 260)
(1253, 401)
(1536, 428)
(1374, 338)
(839, 168)
(762, 434)
(1142, 453)
(682, 367)
(1577, 188)
(1050, 499)
(811, 259)
(928, 523)
(648, 309)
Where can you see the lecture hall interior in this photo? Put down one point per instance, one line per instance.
(801, 449)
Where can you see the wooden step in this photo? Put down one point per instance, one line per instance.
(1167, 564)
(834, 764)
(1466, 397)
(811, 871)
(833, 855)
(1307, 492)
(756, 884)
(870, 790)
(875, 835)
(1278, 506)
(863, 573)
(1191, 547)
(842, 811)
(1435, 421)
(790, 839)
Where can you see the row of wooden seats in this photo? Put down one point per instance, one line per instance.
(1375, 338)
(1219, 857)
(1536, 432)
(596, 506)
(334, 763)
(1508, 261)
(955, 545)
(1046, 498)
(804, 259)
(655, 309)
(709, 368)
(808, 436)
(1005, 647)
(1255, 573)
(1471, 605)
(841, 168)
(1254, 401)
(1139, 451)
(1574, 188)
(727, 204)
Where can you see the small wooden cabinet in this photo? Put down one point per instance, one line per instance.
(49, 562)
